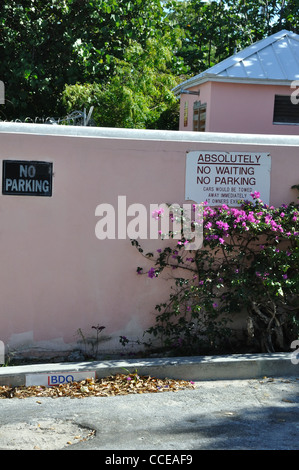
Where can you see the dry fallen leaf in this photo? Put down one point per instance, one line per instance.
(119, 384)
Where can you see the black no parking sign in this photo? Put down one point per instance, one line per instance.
(27, 178)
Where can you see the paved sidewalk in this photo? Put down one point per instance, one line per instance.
(239, 415)
(236, 366)
(256, 412)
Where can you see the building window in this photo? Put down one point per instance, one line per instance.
(199, 116)
(186, 114)
(285, 112)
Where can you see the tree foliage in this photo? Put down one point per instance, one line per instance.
(46, 45)
(216, 29)
(138, 95)
(74, 47)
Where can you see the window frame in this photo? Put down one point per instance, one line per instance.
(278, 100)
(200, 109)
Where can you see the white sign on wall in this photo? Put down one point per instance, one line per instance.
(227, 177)
(57, 378)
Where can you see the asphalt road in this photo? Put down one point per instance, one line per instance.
(255, 414)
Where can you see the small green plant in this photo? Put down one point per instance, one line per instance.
(6, 356)
(131, 376)
(91, 344)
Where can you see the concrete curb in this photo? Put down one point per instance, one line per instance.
(231, 367)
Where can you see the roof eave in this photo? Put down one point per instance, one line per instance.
(208, 77)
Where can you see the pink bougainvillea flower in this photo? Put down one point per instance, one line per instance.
(157, 213)
(151, 273)
(255, 195)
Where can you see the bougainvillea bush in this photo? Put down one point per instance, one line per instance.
(248, 263)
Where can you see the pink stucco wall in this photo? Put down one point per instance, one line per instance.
(238, 107)
(55, 275)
